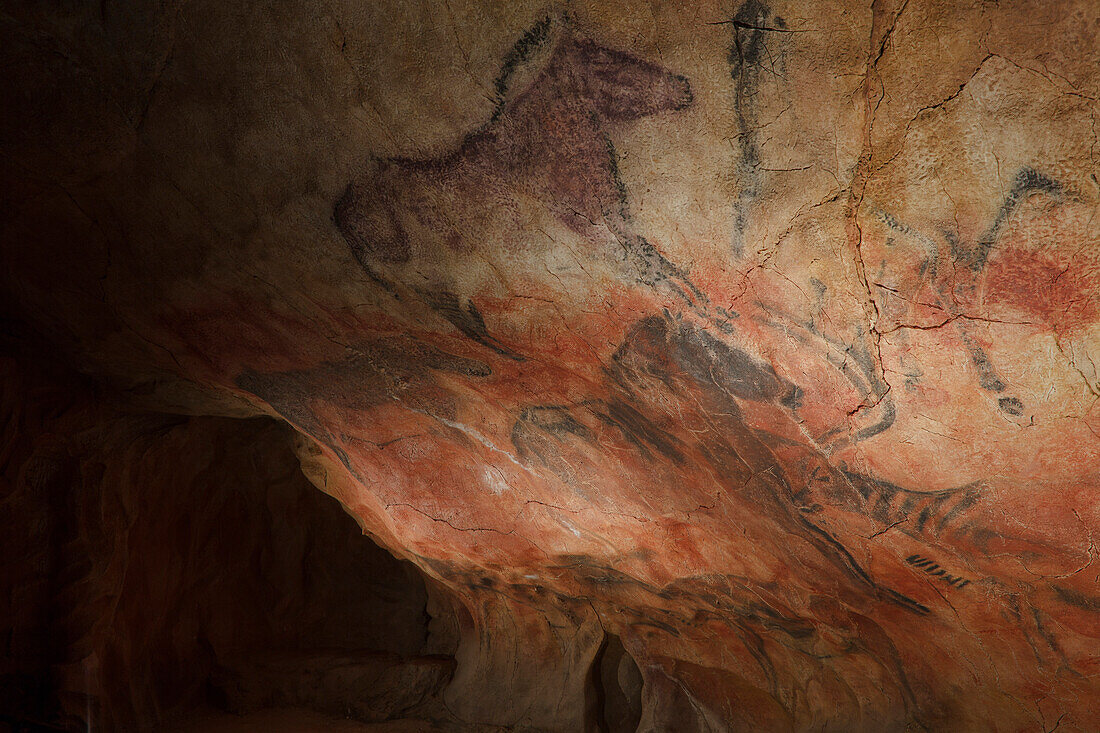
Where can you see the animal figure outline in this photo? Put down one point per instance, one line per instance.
(408, 221)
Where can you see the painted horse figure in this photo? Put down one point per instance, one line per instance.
(545, 152)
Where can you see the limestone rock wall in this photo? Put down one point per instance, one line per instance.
(758, 338)
(157, 564)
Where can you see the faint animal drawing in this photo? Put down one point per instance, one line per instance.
(948, 286)
(418, 225)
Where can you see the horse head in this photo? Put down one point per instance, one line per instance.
(622, 87)
(613, 85)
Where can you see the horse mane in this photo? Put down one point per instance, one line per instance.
(532, 41)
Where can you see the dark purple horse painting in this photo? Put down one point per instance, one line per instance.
(417, 224)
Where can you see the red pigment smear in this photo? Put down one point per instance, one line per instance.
(1055, 291)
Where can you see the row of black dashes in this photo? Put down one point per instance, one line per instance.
(932, 568)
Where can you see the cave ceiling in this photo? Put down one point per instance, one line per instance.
(761, 336)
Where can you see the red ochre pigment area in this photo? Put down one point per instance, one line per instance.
(493, 367)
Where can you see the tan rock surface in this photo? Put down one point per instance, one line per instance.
(758, 338)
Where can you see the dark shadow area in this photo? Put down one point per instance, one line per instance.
(160, 564)
(618, 688)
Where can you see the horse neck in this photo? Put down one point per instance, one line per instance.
(550, 121)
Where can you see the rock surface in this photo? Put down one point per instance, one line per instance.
(151, 558)
(725, 366)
